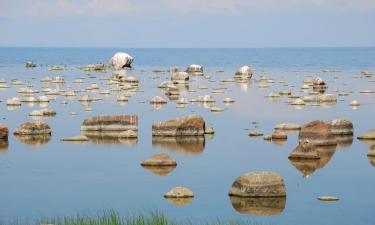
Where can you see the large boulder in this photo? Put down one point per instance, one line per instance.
(317, 133)
(33, 128)
(111, 123)
(121, 60)
(244, 72)
(258, 184)
(340, 126)
(183, 126)
(4, 131)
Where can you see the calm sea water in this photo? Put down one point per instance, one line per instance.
(60, 178)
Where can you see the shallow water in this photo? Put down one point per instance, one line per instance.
(50, 178)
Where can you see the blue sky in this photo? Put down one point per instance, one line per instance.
(187, 23)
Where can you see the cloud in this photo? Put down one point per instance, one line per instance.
(60, 8)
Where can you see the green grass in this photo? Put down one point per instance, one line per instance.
(111, 217)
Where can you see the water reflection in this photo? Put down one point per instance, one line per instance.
(189, 145)
(4, 144)
(108, 137)
(308, 166)
(160, 170)
(35, 140)
(271, 206)
(179, 201)
(344, 141)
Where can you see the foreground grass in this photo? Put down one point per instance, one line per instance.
(112, 217)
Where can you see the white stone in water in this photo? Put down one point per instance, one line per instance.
(122, 99)
(85, 98)
(94, 86)
(121, 60)
(46, 79)
(69, 93)
(216, 109)
(273, 95)
(158, 100)
(29, 99)
(354, 103)
(105, 92)
(298, 101)
(305, 86)
(78, 81)
(73, 113)
(13, 101)
(228, 100)
(328, 198)
(182, 101)
(58, 80)
(36, 113)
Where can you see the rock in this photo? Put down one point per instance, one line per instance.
(279, 135)
(160, 159)
(267, 137)
(4, 131)
(298, 101)
(305, 150)
(287, 126)
(13, 101)
(121, 60)
(180, 77)
(183, 126)
(354, 103)
(341, 126)
(258, 184)
(128, 134)
(172, 90)
(317, 133)
(30, 64)
(228, 100)
(179, 192)
(182, 101)
(33, 128)
(328, 198)
(197, 69)
(371, 151)
(111, 123)
(216, 109)
(43, 98)
(158, 100)
(209, 130)
(370, 135)
(327, 98)
(273, 94)
(76, 138)
(96, 67)
(204, 99)
(255, 134)
(318, 81)
(36, 113)
(244, 72)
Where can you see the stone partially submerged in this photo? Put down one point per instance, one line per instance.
(317, 133)
(340, 126)
(160, 159)
(121, 60)
(33, 128)
(244, 72)
(183, 126)
(305, 150)
(258, 184)
(195, 69)
(370, 135)
(179, 192)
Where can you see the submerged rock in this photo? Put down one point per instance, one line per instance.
(258, 184)
(121, 60)
(111, 123)
(33, 128)
(183, 126)
(160, 159)
(4, 131)
(317, 133)
(179, 192)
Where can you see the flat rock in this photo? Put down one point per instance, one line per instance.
(258, 184)
(370, 135)
(33, 128)
(179, 192)
(111, 123)
(279, 135)
(76, 138)
(160, 159)
(183, 126)
(328, 198)
(287, 126)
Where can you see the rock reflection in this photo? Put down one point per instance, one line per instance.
(344, 141)
(189, 145)
(271, 206)
(179, 201)
(108, 137)
(35, 140)
(160, 170)
(4, 144)
(308, 166)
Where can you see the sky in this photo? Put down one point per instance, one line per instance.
(187, 23)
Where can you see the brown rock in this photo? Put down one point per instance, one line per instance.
(258, 184)
(183, 126)
(278, 135)
(4, 131)
(340, 126)
(33, 128)
(160, 159)
(317, 133)
(111, 123)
